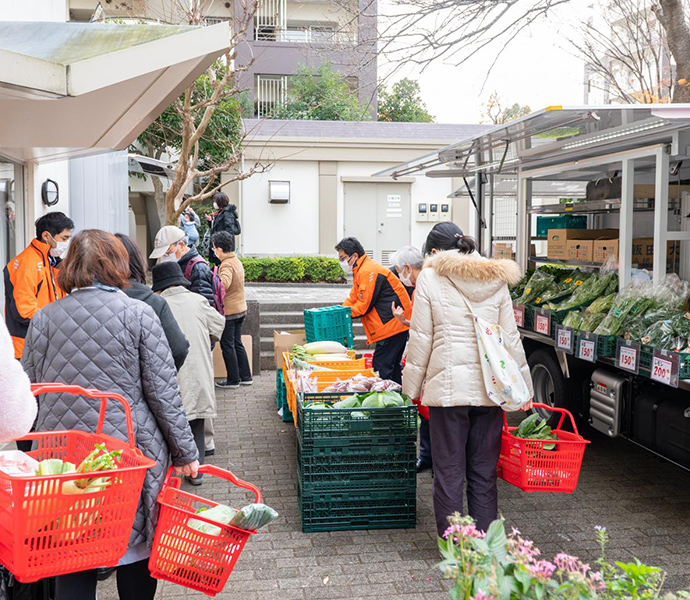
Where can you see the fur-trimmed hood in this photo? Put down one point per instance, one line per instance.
(475, 276)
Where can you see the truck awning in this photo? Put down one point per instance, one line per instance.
(551, 135)
(70, 89)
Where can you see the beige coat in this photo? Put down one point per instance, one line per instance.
(231, 273)
(442, 353)
(200, 324)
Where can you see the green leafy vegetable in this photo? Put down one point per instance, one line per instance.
(535, 428)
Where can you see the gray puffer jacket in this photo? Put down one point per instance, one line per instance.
(105, 340)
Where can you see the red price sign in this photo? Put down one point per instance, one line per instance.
(519, 312)
(586, 350)
(627, 358)
(542, 325)
(662, 370)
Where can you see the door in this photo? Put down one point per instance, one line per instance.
(378, 215)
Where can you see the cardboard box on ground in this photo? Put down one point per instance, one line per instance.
(218, 363)
(284, 340)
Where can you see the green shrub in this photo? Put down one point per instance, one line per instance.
(292, 269)
(253, 268)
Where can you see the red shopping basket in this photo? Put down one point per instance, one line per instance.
(188, 557)
(527, 465)
(45, 532)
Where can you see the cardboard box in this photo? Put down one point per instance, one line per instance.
(643, 252)
(219, 371)
(580, 250)
(604, 250)
(557, 244)
(502, 250)
(644, 191)
(284, 341)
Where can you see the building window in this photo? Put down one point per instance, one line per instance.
(271, 91)
(270, 20)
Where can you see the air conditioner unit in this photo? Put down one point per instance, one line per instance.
(279, 192)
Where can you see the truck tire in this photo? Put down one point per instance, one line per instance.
(550, 386)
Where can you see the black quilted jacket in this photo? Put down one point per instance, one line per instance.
(201, 277)
(105, 340)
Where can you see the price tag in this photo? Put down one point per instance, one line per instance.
(665, 367)
(564, 339)
(587, 347)
(519, 312)
(542, 324)
(628, 356)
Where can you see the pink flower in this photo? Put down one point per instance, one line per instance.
(524, 551)
(461, 530)
(514, 533)
(597, 580)
(542, 570)
(481, 596)
(570, 564)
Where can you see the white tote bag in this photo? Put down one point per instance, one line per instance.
(503, 379)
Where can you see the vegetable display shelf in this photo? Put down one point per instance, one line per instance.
(332, 323)
(335, 365)
(186, 555)
(48, 530)
(281, 397)
(392, 508)
(339, 424)
(323, 379)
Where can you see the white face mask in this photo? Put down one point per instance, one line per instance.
(405, 279)
(60, 249)
(168, 258)
(215, 205)
(345, 266)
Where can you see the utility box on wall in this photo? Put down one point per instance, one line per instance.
(279, 192)
(445, 212)
(422, 212)
(433, 212)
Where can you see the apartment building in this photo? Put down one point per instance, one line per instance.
(283, 35)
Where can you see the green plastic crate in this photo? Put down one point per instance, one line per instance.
(333, 424)
(329, 323)
(381, 446)
(606, 346)
(544, 223)
(281, 397)
(391, 508)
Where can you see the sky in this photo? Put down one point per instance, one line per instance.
(537, 69)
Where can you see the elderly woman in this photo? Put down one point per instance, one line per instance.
(97, 337)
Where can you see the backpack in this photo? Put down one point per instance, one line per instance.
(503, 380)
(218, 287)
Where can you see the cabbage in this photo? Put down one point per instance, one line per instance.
(221, 514)
(349, 402)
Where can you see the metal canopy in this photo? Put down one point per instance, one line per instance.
(70, 89)
(551, 136)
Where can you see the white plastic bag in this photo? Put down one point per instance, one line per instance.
(503, 379)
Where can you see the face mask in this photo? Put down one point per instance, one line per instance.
(168, 258)
(60, 249)
(406, 281)
(345, 266)
(215, 206)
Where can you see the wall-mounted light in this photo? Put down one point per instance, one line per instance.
(279, 192)
(50, 192)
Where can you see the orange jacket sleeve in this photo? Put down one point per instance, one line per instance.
(26, 289)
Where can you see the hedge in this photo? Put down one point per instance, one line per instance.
(293, 269)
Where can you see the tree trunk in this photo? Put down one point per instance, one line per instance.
(159, 197)
(674, 21)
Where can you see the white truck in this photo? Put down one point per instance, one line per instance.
(625, 168)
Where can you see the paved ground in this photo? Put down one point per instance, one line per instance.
(644, 502)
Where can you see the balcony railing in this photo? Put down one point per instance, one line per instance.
(303, 35)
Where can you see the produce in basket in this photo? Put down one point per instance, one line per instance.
(249, 518)
(360, 383)
(535, 428)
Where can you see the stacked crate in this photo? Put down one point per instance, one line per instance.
(281, 397)
(329, 323)
(355, 471)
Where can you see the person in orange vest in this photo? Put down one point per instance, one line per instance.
(375, 291)
(31, 276)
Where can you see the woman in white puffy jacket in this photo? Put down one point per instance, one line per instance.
(443, 357)
(17, 403)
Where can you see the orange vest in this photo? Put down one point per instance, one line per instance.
(375, 289)
(30, 284)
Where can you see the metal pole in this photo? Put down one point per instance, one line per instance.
(522, 236)
(626, 223)
(488, 233)
(661, 214)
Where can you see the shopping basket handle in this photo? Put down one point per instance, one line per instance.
(217, 472)
(563, 413)
(61, 388)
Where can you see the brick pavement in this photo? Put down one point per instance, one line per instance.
(644, 502)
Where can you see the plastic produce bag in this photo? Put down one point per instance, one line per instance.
(573, 319)
(633, 301)
(591, 321)
(538, 283)
(591, 289)
(253, 517)
(602, 305)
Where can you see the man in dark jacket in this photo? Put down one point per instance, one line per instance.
(195, 270)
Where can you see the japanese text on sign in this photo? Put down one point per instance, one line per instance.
(627, 358)
(564, 339)
(519, 312)
(661, 370)
(587, 348)
(542, 324)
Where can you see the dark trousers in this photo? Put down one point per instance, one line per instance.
(466, 443)
(198, 427)
(134, 582)
(424, 441)
(234, 354)
(387, 356)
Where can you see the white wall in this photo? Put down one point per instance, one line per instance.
(282, 228)
(33, 10)
(36, 174)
